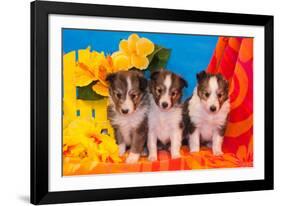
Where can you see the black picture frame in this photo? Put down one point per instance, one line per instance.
(40, 102)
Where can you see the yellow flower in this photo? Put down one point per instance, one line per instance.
(103, 67)
(94, 66)
(133, 53)
(82, 140)
(85, 71)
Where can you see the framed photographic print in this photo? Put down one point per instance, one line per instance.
(133, 102)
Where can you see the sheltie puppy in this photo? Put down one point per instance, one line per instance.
(127, 111)
(205, 113)
(165, 113)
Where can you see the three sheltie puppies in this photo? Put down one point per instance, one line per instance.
(145, 113)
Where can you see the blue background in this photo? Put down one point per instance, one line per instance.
(190, 53)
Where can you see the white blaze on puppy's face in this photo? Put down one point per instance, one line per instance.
(212, 102)
(210, 98)
(165, 100)
(127, 106)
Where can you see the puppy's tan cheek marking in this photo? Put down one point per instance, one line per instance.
(202, 96)
(117, 102)
(136, 102)
(114, 99)
(174, 99)
(223, 98)
(156, 95)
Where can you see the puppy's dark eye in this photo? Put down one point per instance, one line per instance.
(159, 90)
(219, 95)
(174, 93)
(118, 95)
(207, 94)
(133, 96)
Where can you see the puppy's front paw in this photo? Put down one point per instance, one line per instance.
(217, 152)
(152, 158)
(132, 158)
(192, 150)
(176, 155)
(122, 149)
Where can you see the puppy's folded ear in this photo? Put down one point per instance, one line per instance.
(201, 75)
(111, 77)
(226, 86)
(149, 84)
(183, 82)
(154, 75)
(221, 78)
(143, 83)
(142, 80)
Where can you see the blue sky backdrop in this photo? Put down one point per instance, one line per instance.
(190, 53)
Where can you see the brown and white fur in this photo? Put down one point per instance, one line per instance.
(205, 113)
(127, 111)
(165, 113)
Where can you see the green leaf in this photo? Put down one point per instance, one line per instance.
(86, 93)
(156, 50)
(159, 58)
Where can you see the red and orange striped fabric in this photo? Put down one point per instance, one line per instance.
(233, 57)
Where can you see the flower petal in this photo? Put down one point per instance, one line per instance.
(102, 66)
(83, 76)
(123, 46)
(140, 62)
(132, 40)
(97, 59)
(100, 89)
(117, 53)
(84, 56)
(144, 47)
(121, 62)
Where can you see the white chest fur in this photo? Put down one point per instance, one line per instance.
(164, 123)
(205, 122)
(130, 122)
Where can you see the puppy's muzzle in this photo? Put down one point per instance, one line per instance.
(164, 105)
(124, 111)
(213, 108)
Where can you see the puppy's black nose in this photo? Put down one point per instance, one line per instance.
(164, 105)
(124, 111)
(213, 108)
